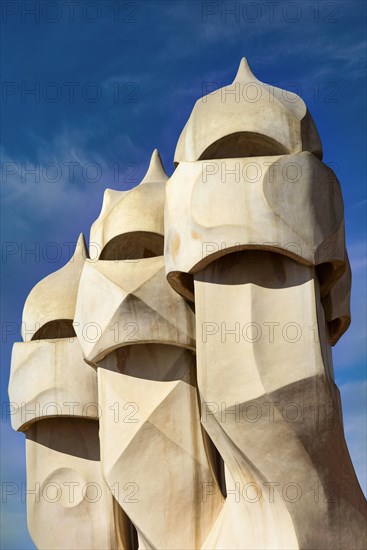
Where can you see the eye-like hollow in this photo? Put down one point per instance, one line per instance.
(133, 246)
(243, 144)
(60, 328)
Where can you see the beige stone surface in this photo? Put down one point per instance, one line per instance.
(131, 302)
(271, 407)
(68, 503)
(50, 378)
(247, 118)
(237, 525)
(290, 204)
(54, 401)
(49, 308)
(143, 348)
(131, 217)
(153, 445)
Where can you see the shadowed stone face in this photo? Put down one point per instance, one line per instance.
(177, 389)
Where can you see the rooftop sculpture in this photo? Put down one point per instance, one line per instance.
(178, 390)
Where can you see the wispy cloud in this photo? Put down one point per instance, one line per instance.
(65, 178)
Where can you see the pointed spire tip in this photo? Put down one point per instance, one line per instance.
(81, 250)
(244, 71)
(155, 172)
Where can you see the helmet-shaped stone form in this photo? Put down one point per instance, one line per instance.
(262, 186)
(142, 235)
(49, 362)
(248, 118)
(134, 303)
(188, 362)
(50, 306)
(54, 395)
(144, 355)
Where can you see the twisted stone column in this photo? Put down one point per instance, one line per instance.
(255, 238)
(153, 449)
(54, 394)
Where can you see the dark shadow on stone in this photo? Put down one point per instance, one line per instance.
(61, 328)
(134, 246)
(243, 144)
(183, 284)
(73, 436)
(310, 137)
(327, 274)
(159, 362)
(265, 269)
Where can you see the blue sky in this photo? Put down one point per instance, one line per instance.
(114, 80)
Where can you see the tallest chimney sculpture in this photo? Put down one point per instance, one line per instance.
(177, 391)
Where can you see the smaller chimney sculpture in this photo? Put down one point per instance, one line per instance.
(177, 390)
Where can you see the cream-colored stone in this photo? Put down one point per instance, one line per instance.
(49, 309)
(50, 378)
(69, 506)
(153, 446)
(125, 302)
(146, 385)
(270, 405)
(238, 526)
(131, 217)
(248, 118)
(147, 391)
(290, 204)
(54, 401)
